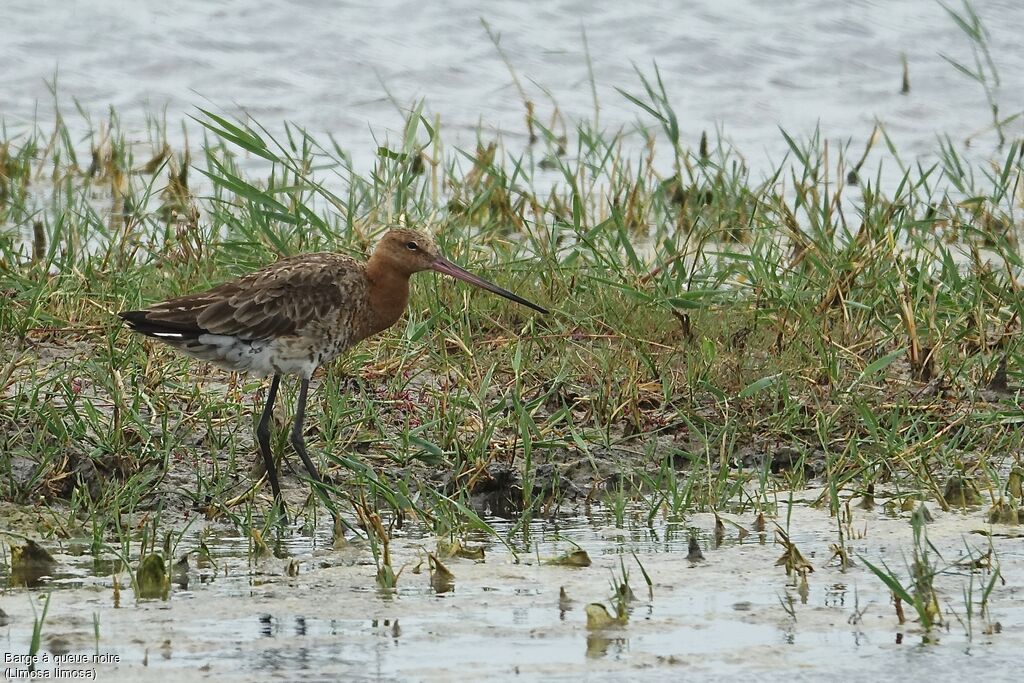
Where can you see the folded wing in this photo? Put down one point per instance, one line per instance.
(277, 301)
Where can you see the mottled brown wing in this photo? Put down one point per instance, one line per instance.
(275, 301)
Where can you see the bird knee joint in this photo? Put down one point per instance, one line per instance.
(263, 432)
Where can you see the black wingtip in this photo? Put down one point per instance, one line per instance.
(138, 321)
(132, 316)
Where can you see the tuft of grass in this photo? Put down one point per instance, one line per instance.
(37, 631)
(920, 593)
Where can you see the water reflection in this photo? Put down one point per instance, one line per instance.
(600, 645)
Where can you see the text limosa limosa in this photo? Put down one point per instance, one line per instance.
(297, 314)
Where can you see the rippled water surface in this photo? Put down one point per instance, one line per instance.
(744, 65)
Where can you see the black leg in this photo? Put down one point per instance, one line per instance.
(263, 437)
(297, 442)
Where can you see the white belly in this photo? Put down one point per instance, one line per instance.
(280, 356)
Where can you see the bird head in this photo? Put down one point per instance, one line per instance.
(409, 251)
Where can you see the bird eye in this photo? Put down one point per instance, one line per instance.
(412, 246)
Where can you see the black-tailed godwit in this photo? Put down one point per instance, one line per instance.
(297, 314)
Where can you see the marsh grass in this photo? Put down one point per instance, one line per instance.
(920, 594)
(717, 339)
(37, 630)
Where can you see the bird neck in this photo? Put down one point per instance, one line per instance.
(389, 294)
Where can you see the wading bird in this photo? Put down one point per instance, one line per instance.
(297, 314)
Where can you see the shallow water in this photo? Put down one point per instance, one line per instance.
(724, 616)
(747, 66)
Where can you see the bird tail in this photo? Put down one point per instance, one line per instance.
(166, 331)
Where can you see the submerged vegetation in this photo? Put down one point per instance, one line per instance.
(718, 340)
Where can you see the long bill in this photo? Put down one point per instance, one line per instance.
(443, 265)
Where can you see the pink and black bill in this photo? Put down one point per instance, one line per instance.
(443, 265)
